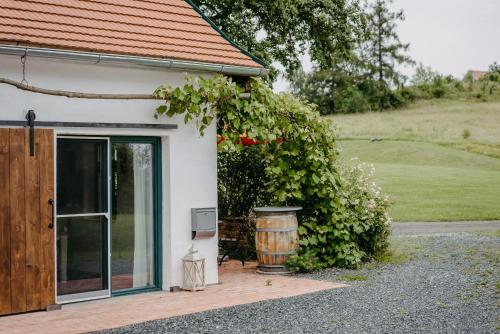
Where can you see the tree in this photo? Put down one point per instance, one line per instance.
(367, 79)
(282, 31)
(334, 91)
(424, 75)
(383, 51)
(493, 72)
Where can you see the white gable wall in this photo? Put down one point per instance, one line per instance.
(189, 161)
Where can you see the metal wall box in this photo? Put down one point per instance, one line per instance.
(203, 223)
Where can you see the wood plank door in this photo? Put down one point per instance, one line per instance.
(27, 270)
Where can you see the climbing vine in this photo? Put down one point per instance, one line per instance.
(300, 159)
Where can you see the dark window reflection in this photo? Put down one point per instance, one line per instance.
(81, 254)
(81, 176)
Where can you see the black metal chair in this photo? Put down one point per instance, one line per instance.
(237, 238)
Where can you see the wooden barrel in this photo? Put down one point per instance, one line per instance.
(275, 238)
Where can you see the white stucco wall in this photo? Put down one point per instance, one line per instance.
(189, 161)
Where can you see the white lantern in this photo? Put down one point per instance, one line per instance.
(193, 271)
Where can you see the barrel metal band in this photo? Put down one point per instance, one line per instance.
(276, 253)
(276, 229)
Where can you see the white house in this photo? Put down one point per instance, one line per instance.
(96, 198)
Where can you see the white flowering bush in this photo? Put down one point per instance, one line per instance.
(361, 230)
(367, 208)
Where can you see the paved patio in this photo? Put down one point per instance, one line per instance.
(239, 285)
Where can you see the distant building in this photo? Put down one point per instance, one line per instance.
(476, 75)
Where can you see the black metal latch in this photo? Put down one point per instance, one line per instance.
(31, 116)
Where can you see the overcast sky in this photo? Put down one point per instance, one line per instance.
(451, 36)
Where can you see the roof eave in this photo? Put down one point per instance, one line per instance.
(225, 36)
(135, 61)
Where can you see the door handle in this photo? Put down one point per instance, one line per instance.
(51, 203)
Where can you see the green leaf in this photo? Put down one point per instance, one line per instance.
(302, 230)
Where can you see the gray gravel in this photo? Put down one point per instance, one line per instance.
(436, 284)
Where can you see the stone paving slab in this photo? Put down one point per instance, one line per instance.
(238, 285)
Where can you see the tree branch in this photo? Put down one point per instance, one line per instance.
(80, 95)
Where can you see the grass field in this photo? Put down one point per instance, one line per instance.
(424, 162)
(442, 122)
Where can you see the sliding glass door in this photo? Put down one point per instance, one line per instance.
(82, 219)
(133, 214)
(108, 218)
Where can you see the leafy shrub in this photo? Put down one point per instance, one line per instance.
(438, 88)
(428, 84)
(365, 225)
(300, 163)
(305, 261)
(241, 182)
(395, 99)
(407, 94)
(352, 100)
(465, 134)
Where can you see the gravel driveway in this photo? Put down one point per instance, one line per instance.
(433, 284)
(424, 228)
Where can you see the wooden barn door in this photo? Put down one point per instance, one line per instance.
(26, 221)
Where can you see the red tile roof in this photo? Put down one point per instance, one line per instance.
(170, 29)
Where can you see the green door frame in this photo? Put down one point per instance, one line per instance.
(157, 210)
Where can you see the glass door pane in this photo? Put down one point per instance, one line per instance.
(81, 176)
(82, 223)
(81, 254)
(132, 216)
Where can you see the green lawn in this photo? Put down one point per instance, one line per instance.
(431, 172)
(442, 122)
